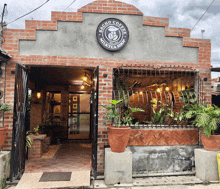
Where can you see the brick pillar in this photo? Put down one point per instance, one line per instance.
(36, 150)
(9, 99)
(105, 94)
(2, 90)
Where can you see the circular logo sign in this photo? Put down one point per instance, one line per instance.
(112, 34)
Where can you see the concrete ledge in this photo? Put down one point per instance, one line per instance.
(4, 167)
(206, 165)
(118, 167)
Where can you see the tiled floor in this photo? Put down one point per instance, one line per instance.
(69, 157)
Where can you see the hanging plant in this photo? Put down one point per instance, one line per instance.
(5, 107)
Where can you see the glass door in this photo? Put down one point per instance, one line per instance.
(79, 116)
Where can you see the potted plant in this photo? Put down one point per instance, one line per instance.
(3, 130)
(118, 135)
(161, 114)
(207, 118)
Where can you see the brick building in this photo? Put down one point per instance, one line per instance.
(55, 55)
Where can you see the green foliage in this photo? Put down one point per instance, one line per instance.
(28, 140)
(5, 107)
(179, 116)
(158, 114)
(36, 129)
(119, 117)
(204, 116)
(188, 96)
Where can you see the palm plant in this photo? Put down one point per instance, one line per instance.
(206, 117)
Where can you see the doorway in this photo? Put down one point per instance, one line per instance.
(60, 102)
(63, 104)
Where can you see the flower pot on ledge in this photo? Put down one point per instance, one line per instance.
(3, 133)
(211, 143)
(118, 138)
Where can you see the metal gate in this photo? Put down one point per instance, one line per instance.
(19, 123)
(94, 119)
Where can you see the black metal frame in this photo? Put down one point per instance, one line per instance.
(18, 153)
(94, 120)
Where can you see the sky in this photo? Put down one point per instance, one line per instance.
(181, 13)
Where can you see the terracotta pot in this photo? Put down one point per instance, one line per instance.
(3, 133)
(212, 143)
(118, 138)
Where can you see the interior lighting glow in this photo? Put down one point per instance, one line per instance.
(82, 87)
(158, 90)
(167, 88)
(38, 95)
(141, 93)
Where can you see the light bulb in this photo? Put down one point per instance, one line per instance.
(38, 95)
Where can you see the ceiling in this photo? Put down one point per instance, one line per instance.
(43, 76)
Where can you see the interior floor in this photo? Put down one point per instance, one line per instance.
(67, 157)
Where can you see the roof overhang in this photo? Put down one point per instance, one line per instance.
(215, 69)
(4, 56)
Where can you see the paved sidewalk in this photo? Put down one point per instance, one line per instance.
(172, 182)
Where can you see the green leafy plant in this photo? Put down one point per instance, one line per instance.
(36, 129)
(180, 116)
(161, 111)
(28, 140)
(204, 116)
(5, 107)
(188, 96)
(114, 113)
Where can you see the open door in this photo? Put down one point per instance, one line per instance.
(94, 120)
(18, 153)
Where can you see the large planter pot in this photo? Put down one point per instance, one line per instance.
(3, 133)
(118, 138)
(211, 143)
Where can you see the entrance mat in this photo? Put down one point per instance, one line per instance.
(55, 176)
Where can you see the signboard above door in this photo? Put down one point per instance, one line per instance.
(112, 34)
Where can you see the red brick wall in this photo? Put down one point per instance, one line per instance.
(11, 44)
(2, 88)
(9, 99)
(36, 150)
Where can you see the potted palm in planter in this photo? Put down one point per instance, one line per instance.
(118, 135)
(3, 130)
(207, 118)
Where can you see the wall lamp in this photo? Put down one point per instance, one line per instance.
(38, 95)
(86, 81)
